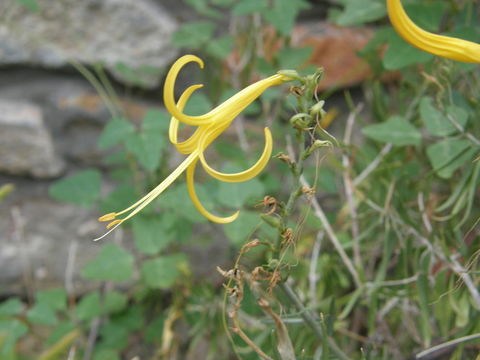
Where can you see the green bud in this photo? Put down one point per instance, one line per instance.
(318, 75)
(292, 74)
(316, 145)
(318, 108)
(301, 120)
(273, 221)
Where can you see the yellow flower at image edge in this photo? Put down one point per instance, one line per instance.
(445, 46)
(208, 127)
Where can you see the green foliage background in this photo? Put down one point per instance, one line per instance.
(402, 201)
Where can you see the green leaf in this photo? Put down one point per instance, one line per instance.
(198, 104)
(193, 35)
(31, 5)
(448, 155)
(114, 302)
(156, 122)
(222, 3)
(12, 306)
(294, 57)
(113, 263)
(113, 336)
(236, 194)
(55, 298)
(221, 47)
(10, 332)
(43, 314)
(129, 73)
(400, 54)
(59, 332)
(152, 233)
(396, 130)
(89, 307)
(239, 230)
(147, 149)
(283, 14)
(436, 122)
(358, 12)
(116, 131)
(120, 198)
(105, 354)
(147, 146)
(154, 330)
(423, 295)
(178, 201)
(246, 7)
(202, 7)
(81, 189)
(132, 318)
(426, 15)
(162, 272)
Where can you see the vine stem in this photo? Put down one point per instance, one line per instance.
(310, 320)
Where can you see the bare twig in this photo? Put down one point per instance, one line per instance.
(238, 330)
(349, 187)
(424, 354)
(462, 130)
(313, 277)
(318, 211)
(421, 207)
(373, 165)
(400, 282)
(92, 338)
(70, 268)
(71, 353)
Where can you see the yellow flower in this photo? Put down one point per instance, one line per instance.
(448, 47)
(208, 127)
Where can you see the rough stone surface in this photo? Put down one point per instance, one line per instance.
(114, 32)
(39, 237)
(26, 147)
(72, 111)
(334, 49)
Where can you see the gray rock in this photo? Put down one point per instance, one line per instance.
(121, 34)
(26, 147)
(46, 244)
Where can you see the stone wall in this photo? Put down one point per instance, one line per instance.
(51, 116)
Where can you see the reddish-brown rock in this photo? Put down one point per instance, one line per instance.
(334, 49)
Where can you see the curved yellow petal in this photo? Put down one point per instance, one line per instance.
(187, 146)
(169, 92)
(238, 102)
(448, 47)
(246, 174)
(197, 203)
